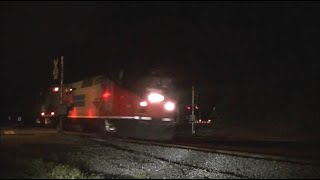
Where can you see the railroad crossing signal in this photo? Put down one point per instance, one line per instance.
(62, 110)
(192, 118)
(55, 69)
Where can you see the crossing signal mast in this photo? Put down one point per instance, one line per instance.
(62, 109)
(61, 91)
(194, 108)
(192, 117)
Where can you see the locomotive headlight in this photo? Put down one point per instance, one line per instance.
(143, 103)
(56, 89)
(169, 106)
(155, 97)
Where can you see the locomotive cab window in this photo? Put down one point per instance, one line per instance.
(99, 80)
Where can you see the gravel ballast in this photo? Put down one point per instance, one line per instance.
(114, 158)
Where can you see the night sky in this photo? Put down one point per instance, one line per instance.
(253, 59)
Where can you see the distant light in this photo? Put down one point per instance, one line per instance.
(169, 106)
(42, 114)
(56, 89)
(143, 103)
(209, 121)
(70, 89)
(52, 113)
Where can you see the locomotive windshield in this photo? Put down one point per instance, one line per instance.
(48, 100)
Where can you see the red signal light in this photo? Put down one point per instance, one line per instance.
(106, 95)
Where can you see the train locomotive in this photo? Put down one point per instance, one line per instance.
(102, 104)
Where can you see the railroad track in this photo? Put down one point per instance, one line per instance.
(210, 148)
(225, 150)
(108, 142)
(187, 164)
(242, 149)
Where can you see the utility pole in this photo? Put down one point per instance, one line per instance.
(61, 94)
(192, 112)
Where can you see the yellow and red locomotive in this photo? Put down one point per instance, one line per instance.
(101, 102)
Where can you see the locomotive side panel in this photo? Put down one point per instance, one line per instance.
(125, 102)
(92, 100)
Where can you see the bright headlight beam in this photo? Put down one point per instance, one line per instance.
(169, 106)
(155, 97)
